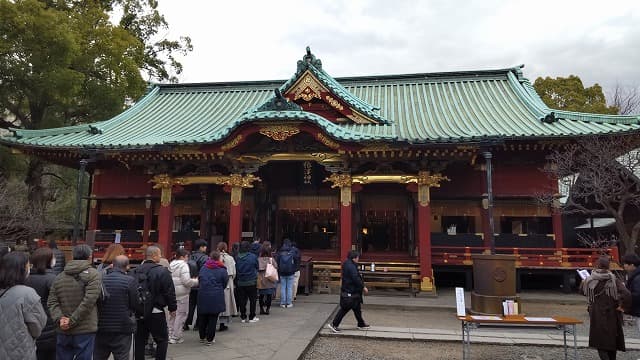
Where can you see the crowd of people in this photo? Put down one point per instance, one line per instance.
(53, 310)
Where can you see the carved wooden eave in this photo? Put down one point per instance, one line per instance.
(308, 88)
(265, 158)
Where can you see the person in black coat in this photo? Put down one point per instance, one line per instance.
(351, 292)
(198, 257)
(213, 280)
(60, 262)
(163, 294)
(116, 320)
(41, 279)
(631, 263)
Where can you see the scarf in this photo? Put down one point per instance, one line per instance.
(214, 264)
(598, 275)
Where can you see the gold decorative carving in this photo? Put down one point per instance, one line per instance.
(231, 144)
(339, 180)
(318, 157)
(225, 180)
(327, 141)
(427, 284)
(165, 196)
(379, 147)
(387, 178)
(279, 132)
(360, 119)
(237, 180)
(236, 195)
(334, 103)
(307, 88)
(345, 195)
(425, 178)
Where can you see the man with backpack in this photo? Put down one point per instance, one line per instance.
(286, 269)
(116, 321)
(196, 262)
(155, 292)
(72, 305)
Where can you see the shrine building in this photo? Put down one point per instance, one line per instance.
(417, 169)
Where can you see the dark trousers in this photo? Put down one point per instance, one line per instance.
(265, 303)
(156, 325)
(607, 355)
(193, 303)
(346, 304)
(117, 343)
(46, 351)
(75, 347)
(247, 293)
(207, 326)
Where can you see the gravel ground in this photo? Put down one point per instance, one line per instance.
(362, 349)
(355, 349)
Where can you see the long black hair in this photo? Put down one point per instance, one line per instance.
(13, 269)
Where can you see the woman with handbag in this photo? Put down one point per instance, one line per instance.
(267, 278)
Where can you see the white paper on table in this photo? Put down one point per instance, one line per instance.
(547, 319)
(460, 307)
(485, 317)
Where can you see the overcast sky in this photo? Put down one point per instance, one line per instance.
(259, 40)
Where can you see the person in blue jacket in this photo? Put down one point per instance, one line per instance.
(247, 274)
(213, 279)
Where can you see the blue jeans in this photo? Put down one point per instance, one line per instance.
(79, 347)
(286, 289)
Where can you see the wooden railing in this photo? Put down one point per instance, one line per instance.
(525, 257)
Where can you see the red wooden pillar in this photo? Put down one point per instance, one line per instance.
(346, 214)
(235, 216)
(424, 238)
(148, 220)
(556, 221)
(94, 210)
(165, 221)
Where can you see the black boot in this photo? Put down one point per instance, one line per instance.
(261, 301)
(267, 304)
(223, 327)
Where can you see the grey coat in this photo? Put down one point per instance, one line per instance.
(22, 317)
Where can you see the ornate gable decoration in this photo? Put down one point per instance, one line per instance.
(312, 89)
(279, 103)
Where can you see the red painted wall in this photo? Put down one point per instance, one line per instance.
(464, 181)
(521, 180)
(121, 183)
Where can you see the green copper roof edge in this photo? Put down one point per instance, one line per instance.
(26, 133)
(334, 130)
(533, 99)
(107, 124)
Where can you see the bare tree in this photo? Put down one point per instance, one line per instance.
(18, 222)
(626, 99)
(602, 174)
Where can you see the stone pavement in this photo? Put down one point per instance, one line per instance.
(286, 333)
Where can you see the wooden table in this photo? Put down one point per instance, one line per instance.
(566, 324)
(388, 275)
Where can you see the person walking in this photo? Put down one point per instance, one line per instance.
(606, 297)
(231, 308)
(247, 270)
(116, 319)
(213, 280)
(286, 270)
(61, 261)
(156, 283)
(21, 311)
(72, 304)
(182, 281)
(196, 260)
(352, 290)
(631, 264)
(266, 286)
(41, 279)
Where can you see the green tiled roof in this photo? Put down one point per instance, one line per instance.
(452, 107)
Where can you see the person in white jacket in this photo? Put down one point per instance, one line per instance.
(183, 283)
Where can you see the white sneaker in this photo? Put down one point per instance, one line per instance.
(289, 305)
(176, 341)
(283, 306)
(334, 329)
(254, 320)
(243, 320)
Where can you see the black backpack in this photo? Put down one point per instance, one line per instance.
(286, 263)
(144, 308)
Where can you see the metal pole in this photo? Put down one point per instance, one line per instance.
(76, 221)
(492, 242)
